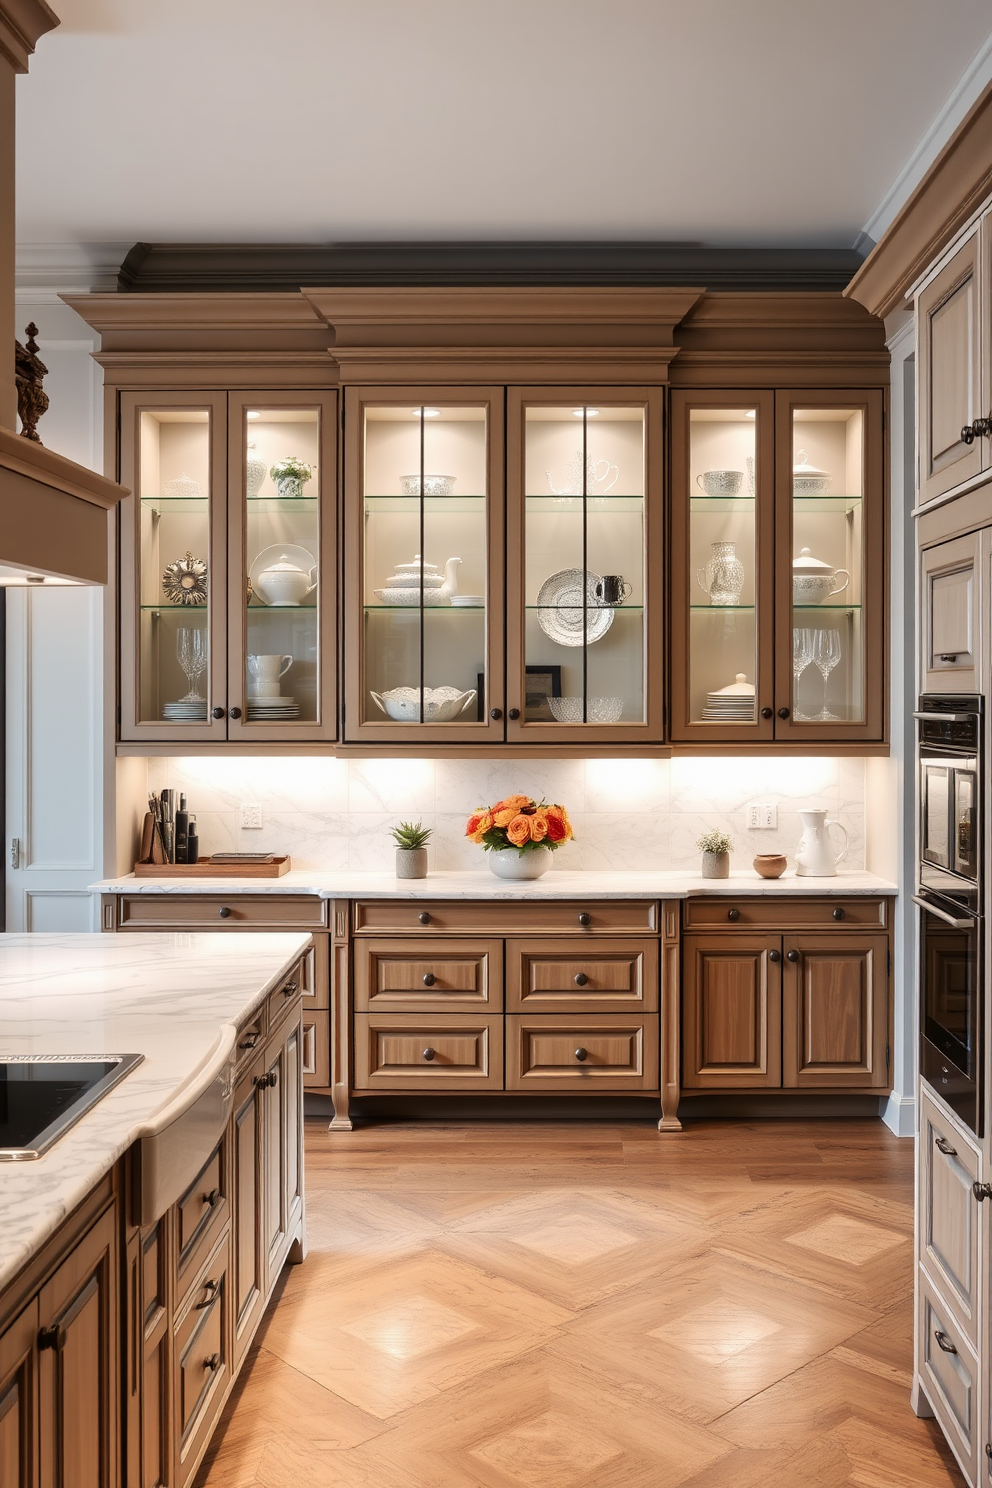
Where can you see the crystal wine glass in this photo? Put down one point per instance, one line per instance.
(802, 657)
(826, 655)
(191, 652)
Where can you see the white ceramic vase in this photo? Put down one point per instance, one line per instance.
(512, 863)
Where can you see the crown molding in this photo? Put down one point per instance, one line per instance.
(22, 22)
(44, 271)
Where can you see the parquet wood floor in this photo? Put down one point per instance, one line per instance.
(592, 1306)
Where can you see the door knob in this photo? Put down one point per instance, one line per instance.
(429, 979)
(766, 712)
(774, 955)
(585, 919)
(212, 1363)
(224, 912)
(495, 712)
(235, 712)
(424, 917)
(428, 1054)
(967, 434)
(783, 712)
(514, 713)
(838, 913)
(216, 712)
(733, 914)
(982, 426)
(581, 1054)
(792, 956)
(580, 979)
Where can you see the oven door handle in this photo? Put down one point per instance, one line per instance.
(945, 717)
(942, 914)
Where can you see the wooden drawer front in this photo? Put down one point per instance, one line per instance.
(731, 1012)
(316, 1049)
(596, 1053)
(266, 912)
(950, 1217)
(202, 1359)
(202, 1211)
(286, 1001)
(251, 1038)
(835, 1011)
(391, 1052)
(605, 977)
(316, 984)
(498, 917)
(407, 975)
(949, 1374)
(729, 913)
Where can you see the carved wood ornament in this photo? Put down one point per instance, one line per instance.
(29, 373)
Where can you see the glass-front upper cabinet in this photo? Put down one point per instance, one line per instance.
(173, 567)
(584, 603)
(722, 541)
(831, 591)
(423, 571)
(282, 589)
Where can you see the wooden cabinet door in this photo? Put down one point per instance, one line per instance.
(282, 1137)
(202, 1360)
(731, 1012)
(835, 1017)
(949, 1374)
(249, 1269)
(154, 1330)
(950, 1219)
(19, 1401)
(950, 370)
(79, 1342)
(950, 613)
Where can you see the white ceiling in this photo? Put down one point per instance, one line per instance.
(749, 122)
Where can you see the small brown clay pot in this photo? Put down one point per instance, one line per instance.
(770, 865)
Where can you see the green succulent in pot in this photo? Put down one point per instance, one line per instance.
(411, 840)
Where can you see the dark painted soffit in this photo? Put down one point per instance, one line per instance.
(156, 268)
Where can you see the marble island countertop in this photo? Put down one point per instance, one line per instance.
(165, 996)
(482, 884)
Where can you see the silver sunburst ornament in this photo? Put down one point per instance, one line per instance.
(185, 581)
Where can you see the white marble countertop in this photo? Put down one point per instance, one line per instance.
(483, 884)
(161, 995)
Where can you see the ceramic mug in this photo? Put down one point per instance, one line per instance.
(720, 482)
(265, 672)
(612, 589)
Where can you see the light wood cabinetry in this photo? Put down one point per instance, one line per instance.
(951, 1222)
(952, 580)
(806, 1010)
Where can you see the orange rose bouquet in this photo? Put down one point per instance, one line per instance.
(520, 822)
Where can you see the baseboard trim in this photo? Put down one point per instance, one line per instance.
(899, 1114)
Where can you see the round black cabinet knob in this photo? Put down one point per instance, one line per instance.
(514, 713)
(733, 914)
(428, 1054)
(838, 913)
(774, 955)
(212, 1198)
(581, 1055)
(982, 426)
(429, 979)
(235, 712)
(424, 917)
(495, 712)
(967, 434)
(783, 712)
(585, 919)
(212, 1363)
(224, 912)
(216, 712)
(766, 712)
(580, 979)
(792, 956)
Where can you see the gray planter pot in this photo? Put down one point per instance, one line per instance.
(411, 862)
(716, 865)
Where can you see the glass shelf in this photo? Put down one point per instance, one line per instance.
(174, 504)
(193, 611)
(821, 609)
(429, 609)
(593, 609)
(254, 610)
(405, 496)
(710, 609)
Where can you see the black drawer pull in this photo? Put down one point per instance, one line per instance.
(581, 1055)
(967, 434)
(424, 917)
(580, 979)
(289, 989)
(944, 1146)
(213, 1363)
(224, 912)
(429, 1054)
(733, 914)
(429, 979)
(585, 919)
(265, 1082)
(212, 1198)
(250, 1040)
(982, 1191)
(943, 1342)
(948, 656)
(52, 1338)
(838, 913)
(210, 1287)
(774, 955)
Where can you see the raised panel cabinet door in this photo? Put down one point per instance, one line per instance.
(731, 1012)
(249, 1269)
(79, 1349)
(575, 1053)
(949, 1374)
(316, 1049)
(432, 1051)
(950, 611)
(282, 1144)
(202, 1360)
(835, 1012)
(402, 976)
(565, 976)
(154, 1334)
(950, 1217)
(949, 331)
(19, 1401)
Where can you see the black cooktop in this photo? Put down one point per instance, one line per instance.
(42, 1096)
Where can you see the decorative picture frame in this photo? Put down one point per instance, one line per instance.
(542, 682)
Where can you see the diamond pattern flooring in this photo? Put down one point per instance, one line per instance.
(592, 1306)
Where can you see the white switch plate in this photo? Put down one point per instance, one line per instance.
(762, 816)
(251, 816)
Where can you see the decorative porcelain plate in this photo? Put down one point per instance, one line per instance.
(560, 608)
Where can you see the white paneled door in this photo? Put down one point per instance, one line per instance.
(54, 793)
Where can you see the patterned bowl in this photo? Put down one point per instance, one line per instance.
(598, 709)
(434, 485)
(441, 704)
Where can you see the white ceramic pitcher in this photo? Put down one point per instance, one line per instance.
(814, 855)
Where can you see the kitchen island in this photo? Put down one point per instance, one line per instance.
(218, 1025)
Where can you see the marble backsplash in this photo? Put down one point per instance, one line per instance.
(627, 813)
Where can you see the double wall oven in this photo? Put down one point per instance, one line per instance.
(950, 895)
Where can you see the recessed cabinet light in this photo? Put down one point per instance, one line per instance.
(253, 414)
(427, 412)
(589, 412)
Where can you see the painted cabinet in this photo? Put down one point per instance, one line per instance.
(952, 580)
(952, 363)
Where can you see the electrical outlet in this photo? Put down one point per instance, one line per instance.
(251, 816)
(762, 816)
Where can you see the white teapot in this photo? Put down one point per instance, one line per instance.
(813, 581)
(416, 579)
(285, 583)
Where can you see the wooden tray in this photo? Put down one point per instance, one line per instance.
(275, 869)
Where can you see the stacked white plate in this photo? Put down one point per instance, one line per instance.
(733, 704)
(185, 712)
(467, 601)
(272, 710)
